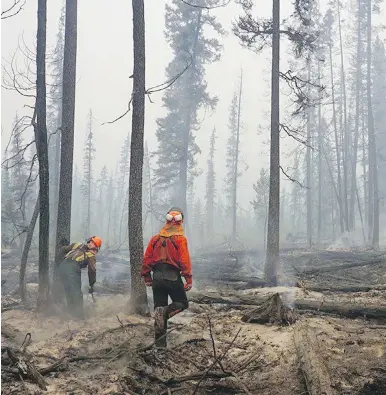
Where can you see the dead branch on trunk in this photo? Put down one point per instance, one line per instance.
(149, 91)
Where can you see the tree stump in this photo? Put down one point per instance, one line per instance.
(272, 311)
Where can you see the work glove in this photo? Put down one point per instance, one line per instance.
(148, 281)
(91, 289)
(188, 283)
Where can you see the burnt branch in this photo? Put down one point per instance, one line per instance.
(123, 115)
(216, 361)
(24, 230)
(206, 7)
(21, 152)
(16, 132)
(13, 10)
(301, 89)
(292, 179)
(296, 134)
(154, 89)
(169, 83)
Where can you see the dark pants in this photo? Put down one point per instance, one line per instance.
(70, 277)
(163, 288)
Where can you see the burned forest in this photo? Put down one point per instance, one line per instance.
(193, 197)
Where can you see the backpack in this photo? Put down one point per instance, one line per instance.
(164, 270)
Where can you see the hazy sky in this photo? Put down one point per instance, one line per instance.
(105, 62)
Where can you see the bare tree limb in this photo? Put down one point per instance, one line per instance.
(293, 133)
(292, 179)
(154, 89)
(123, 115)
(10, 12)
(206, 7)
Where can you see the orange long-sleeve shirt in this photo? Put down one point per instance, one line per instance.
(172, 250)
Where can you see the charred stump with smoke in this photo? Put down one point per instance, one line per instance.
(272, 311)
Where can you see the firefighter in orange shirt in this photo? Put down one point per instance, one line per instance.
(167, 256)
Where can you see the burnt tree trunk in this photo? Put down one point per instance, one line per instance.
(345, 134)
(272, 257)
(358, 89)
(42, 152)
(337, 147)
(138, 302)
(67, 130)
(320, 162)
(26, 248)
(236, 168)
(373, 172)
(309, 170)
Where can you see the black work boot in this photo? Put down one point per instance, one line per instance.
(160, 326)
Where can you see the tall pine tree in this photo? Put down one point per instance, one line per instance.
(87, 184)
(210, 186)
(185, 32)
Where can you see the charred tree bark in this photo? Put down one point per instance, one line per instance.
(236, 169)
(309, 172)
(314, 371)
(26, 248)
(42, 152)
(373, 173)
(272, 311)
(68, 118)
(138, 290)
(320, 162)
(337, 148)
(345, 134)
(272, 257)
(358, 86)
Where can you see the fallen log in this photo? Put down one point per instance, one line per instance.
(344, 288)
(343, 309)
(255, 281)
(332, 268)
(331, 307)
(314, 371)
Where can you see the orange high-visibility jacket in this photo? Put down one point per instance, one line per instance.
(172, 250)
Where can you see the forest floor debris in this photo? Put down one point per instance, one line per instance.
(210, 348)
(209, 351)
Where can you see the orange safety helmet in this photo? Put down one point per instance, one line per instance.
(96, 240)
